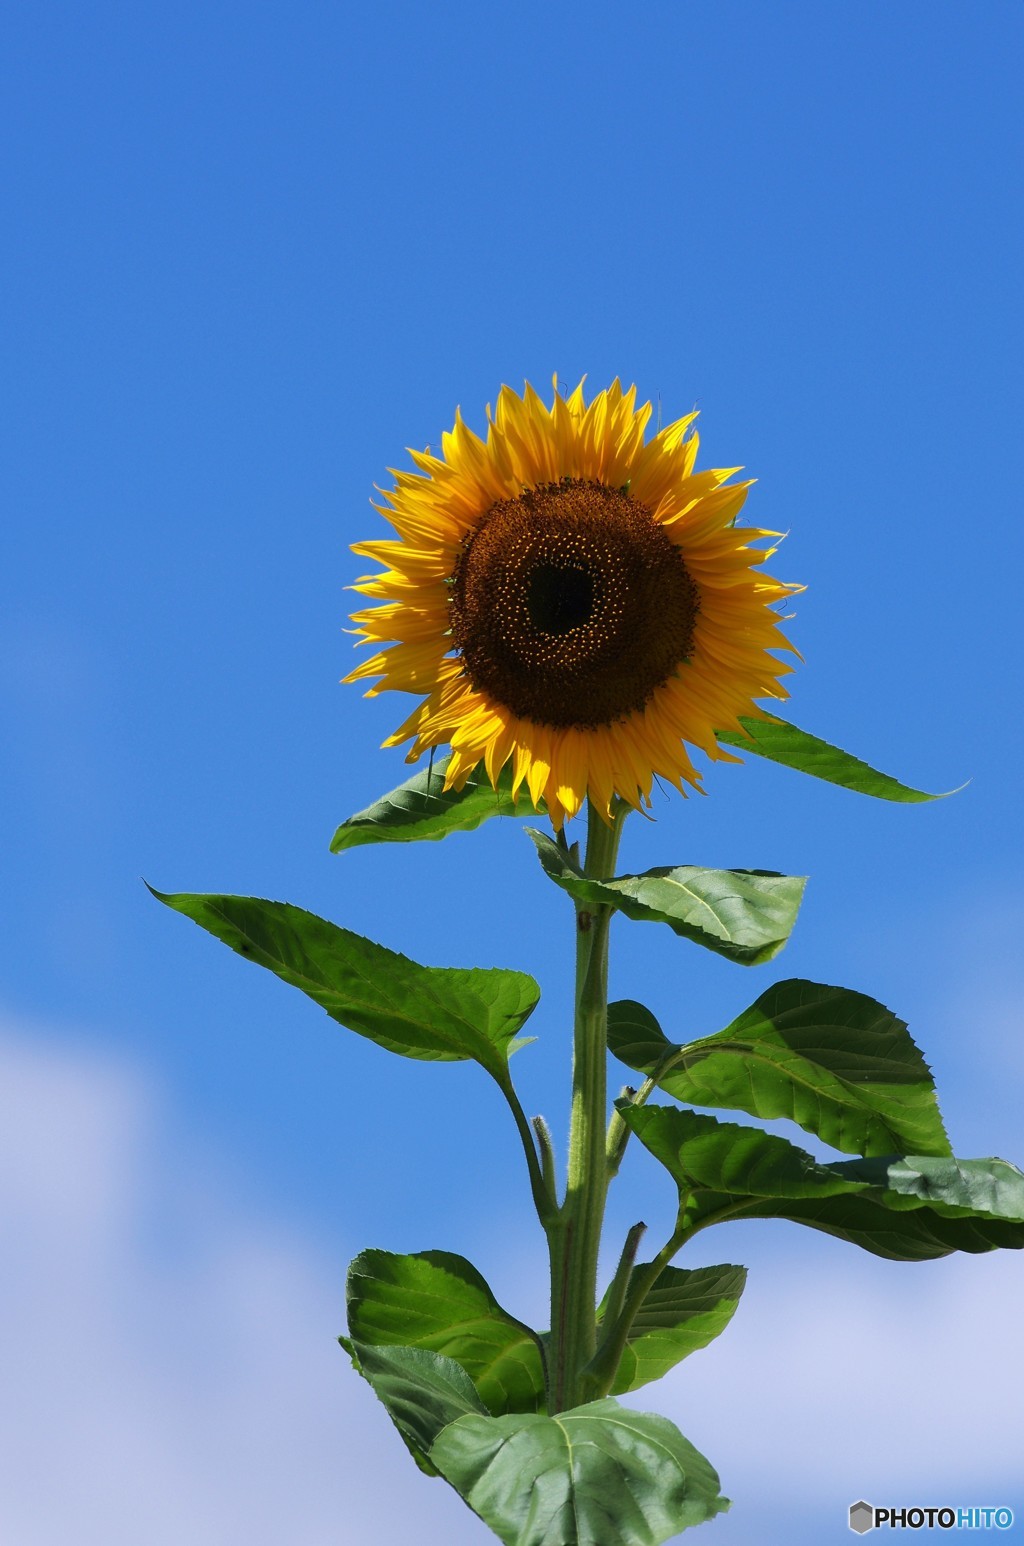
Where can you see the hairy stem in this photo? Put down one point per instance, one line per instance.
(623, 1273)
(618, 1132)
(603, 1368)
(575, 1238)
(541, 1168)
(546, 1149)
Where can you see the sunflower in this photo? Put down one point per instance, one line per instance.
(571, 599)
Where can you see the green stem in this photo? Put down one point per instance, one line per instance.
(623, 1273)
(542, 1174)
(618, 1132)
(575, 1238)
(602, 1371)
(546, 1149)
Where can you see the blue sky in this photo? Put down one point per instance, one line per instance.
(253, 252)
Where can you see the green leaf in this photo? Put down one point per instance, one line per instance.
(591, 1476)
(744, 915)
(417, 1454)
(908, 1208)
(684, 1311)
(837, 1063)
(428, 1012)
(782, 742)
(956, 1188)
(704, 1155)
(915, 1213)
(422, 809)
(440, 1302)
(422, 1391)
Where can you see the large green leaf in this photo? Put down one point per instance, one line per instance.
(421, 808)
(428, 1012)
(683, 1311)
(910, 1208)
(836, 1062)
(745, 915)
(440, 1302)
(781, 742)
(423, 1392)
(595, 1475)
(956, 1188)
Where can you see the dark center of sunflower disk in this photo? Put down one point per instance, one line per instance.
(571, 604)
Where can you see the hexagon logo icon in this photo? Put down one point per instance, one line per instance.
(862, 1517)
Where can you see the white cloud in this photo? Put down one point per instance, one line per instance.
(155, 1394)
(170, 1373)
(843, 1377)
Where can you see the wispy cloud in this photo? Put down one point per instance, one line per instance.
(170, 1373)
(170, 1370)
(843, 1377)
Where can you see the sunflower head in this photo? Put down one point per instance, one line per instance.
(571, 598)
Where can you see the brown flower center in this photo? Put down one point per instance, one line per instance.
(571, 604)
